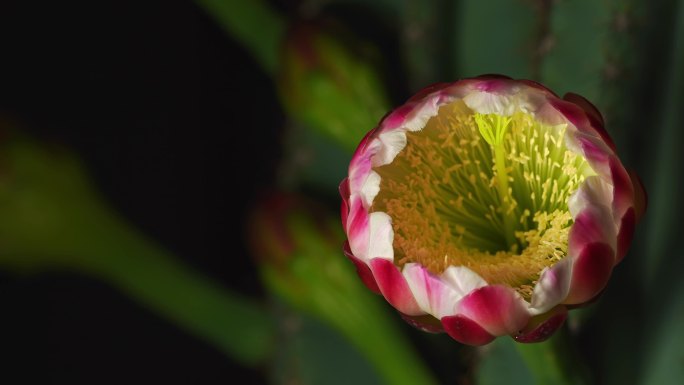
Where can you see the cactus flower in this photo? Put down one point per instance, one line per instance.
(489, 207)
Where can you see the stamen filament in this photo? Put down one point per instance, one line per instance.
(502, 188)
(493, 128)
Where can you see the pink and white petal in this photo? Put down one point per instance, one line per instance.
(593, 149)
(358, 228)
(539, 87)
(552, 288)
(370, 188)
(393, 141)
(381, 236)
(581, 137)
(589, 109)
(547, 112)
(462, 280)
(412, 116)
(624, 237)
(595, 118)
(623, 189)
(495, 84)
(485, 102)
(432, 295)
(574, 115)
(344, 207)
(593, 191)
(394, 287)
(497, 309)
(543, 326)
(397, 117)
(426, 323)
(590, 272)
(466, 331)
(425, 110)
(361, 165)
(593, 225)
(362, 270)
(432, 88)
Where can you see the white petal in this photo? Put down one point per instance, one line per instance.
(370, 188)
(381, 236)
(552, 288)
(462, 279)
(593, 191)
(392, 143)
(433, 295)
(488, 103)
(423, 113)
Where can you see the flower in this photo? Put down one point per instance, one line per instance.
(489, 207)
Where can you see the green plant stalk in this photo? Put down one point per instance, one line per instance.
(253, 24)
(233, 323)
(330, 290)
(113, 252)
(54, 220)
(382, 343)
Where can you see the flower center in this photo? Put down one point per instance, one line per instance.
(488, 192)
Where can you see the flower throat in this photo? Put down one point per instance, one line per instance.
(484, 191)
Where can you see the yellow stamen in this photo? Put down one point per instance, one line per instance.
(493, 127)
(482, 191)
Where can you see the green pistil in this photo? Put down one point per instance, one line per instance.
(493, 129)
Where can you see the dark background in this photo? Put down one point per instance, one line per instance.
(160, 104)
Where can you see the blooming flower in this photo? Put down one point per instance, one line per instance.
(489, 207)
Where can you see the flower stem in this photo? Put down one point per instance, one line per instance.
(333, 292)
(53, 219)
(163, 284)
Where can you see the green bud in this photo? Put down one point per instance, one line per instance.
(297, 246)
(329, 87)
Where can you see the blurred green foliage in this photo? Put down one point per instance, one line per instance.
(323, 78)
(52, 218)
(298, 246)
